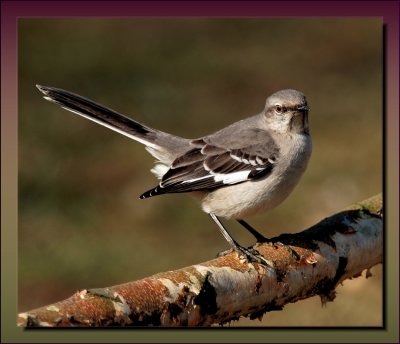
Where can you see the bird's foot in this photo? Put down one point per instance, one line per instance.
(250, 254)
(261, 239)
(295, 255)
(253, 256)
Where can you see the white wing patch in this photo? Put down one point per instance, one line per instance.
(232, 178)
(236, 157)
(229, 178)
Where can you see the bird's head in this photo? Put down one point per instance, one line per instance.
(286, 111)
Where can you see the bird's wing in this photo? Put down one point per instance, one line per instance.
(208, 166)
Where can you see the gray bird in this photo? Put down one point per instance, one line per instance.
(247, 167)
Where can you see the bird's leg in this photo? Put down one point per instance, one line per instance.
(253, 257)
(261, 238)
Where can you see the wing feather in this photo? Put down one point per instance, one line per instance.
(208, 166)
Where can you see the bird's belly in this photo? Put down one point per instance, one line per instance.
(245, 199)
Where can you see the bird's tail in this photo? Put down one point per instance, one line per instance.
(163, 146)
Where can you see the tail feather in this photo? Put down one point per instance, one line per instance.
(101, 115)
(163, 146)
(158, 190)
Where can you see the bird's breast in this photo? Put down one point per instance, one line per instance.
(251, 197)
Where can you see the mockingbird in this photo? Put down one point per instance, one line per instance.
(249, 166)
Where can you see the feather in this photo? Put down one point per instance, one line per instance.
(209, 166)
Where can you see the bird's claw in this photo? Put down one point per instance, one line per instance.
(253, 256)
(250, 254)
(291, 250)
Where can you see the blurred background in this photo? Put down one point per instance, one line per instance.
(81, 224)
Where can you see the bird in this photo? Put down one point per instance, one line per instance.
(248, 167)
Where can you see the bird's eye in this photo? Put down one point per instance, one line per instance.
(279, 108)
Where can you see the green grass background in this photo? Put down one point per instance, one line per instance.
(81, 224)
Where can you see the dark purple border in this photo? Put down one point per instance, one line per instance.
(387, 9)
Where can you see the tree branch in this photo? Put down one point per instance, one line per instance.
(223, 289)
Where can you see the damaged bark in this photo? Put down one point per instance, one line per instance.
(226, 288)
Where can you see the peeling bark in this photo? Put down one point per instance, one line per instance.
(226, 288)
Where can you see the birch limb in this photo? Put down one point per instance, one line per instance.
(223, 289)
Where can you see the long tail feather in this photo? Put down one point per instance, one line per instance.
(100, 114)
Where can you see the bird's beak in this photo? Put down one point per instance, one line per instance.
(303, 108)
(299, 122)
